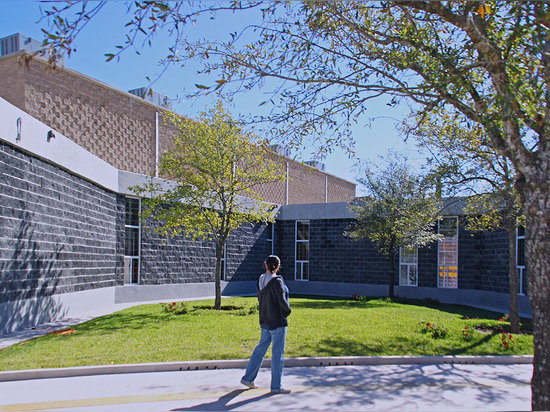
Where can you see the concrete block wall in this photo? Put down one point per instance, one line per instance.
(494, 261)
(170, 260)
(58, 231)
(247, 250)
(333, 256)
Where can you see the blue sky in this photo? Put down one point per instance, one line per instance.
(102, 34)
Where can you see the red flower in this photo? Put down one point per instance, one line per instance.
(501, 320)
(428, 324)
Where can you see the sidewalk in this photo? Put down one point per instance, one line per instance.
(350, 383)
(450, 387)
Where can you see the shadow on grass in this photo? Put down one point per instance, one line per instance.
(327, 302)
(121, 320)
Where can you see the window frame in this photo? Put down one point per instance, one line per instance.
(454, 239)
(520, 268)
(408, 266)
(271, 237)
(132, 258)
(301, 262)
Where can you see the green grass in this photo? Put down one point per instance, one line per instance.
(317, 327)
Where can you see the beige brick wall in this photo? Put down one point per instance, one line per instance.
(12, 84)
(306, 184)
(113, 125)
(120, 128)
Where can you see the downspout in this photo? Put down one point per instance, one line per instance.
(156, 144)
(326, 189)
(286, 198)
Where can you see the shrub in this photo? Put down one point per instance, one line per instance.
(434, 330)
(507, 341)
(175, 308)
(467, 334)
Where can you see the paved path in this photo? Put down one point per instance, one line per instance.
(446, 387)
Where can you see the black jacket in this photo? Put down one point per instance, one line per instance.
(274, 307)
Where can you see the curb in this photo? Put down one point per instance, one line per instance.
(241, 364)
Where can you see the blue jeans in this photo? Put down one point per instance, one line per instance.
(278, 337)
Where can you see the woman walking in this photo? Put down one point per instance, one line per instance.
(274, 309)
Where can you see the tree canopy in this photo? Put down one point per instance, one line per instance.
(214, 171)
(400, 210)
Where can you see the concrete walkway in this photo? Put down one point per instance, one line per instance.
(450, 387)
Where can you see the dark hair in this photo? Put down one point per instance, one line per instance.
(272, 262)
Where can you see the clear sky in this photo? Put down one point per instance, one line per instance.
(106, 30)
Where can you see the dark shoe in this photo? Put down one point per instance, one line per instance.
(249, 384)
(281, 391)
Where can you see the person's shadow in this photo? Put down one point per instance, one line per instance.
(222, 403)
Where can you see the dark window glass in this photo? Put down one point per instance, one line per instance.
(135, 270)
(132, 241)
(448, 227)
(521, 231)
(302, 251)
(521, 253)
(132, 212)
(302, 230)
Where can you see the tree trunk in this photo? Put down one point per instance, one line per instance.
(218, 277)
(513, 275)
(537, 210)
(391, 261)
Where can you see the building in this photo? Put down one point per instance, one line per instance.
(70, 148)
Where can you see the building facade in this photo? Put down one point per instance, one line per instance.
(71, 239)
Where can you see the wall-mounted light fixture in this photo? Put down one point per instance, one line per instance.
(50, 136)
(18, 123)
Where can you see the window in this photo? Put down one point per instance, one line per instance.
(520, 257)
(224, 254)
(408, 266)
(270, 236)
(447, 255)
(301, 270)
(132, 237)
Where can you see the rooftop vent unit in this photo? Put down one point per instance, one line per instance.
(17, 42)
(282, 150)
(316, 164)
(152, 96)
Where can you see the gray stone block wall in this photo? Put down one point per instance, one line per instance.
(57, 231)
(183, 260)
(494, 261)
(247, 250)
(333, 256)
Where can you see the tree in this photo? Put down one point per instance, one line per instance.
(398, 212)
(466, 163)
(214, 170)
(487, 60)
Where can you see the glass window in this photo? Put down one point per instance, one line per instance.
(270, 235)
(301, 269)
(223, 264)
(447, 255)
(302, 230)
(520, 259)
(132, 238)
(408, 266)
(132, 211)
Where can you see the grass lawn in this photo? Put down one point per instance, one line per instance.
(317, 327)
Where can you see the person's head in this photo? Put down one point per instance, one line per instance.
(272, 263)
